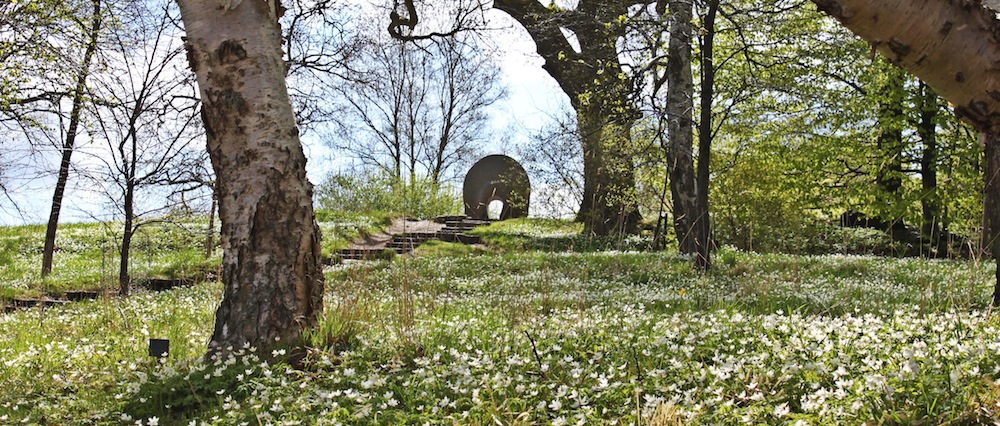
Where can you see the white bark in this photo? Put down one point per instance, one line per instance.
(271, 263)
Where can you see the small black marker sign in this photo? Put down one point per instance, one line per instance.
(159, 347)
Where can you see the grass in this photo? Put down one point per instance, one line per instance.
(340, 228)
(524, 336)
(86, 257)
(551, 235)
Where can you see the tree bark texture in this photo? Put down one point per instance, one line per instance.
(702, 224)
(991, 201)
(271, 254)
(79, 92)
(954, 47)
(680, 128)
(601, 95)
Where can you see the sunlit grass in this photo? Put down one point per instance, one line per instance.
(86, 257)
(514, 335)
(340, 228)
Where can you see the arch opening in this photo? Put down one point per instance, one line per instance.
(495, 209)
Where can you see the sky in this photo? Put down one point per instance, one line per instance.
(533, 99)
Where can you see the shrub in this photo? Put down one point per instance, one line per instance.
(366, 192)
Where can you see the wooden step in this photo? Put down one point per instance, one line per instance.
(44, 302)
(361, 254)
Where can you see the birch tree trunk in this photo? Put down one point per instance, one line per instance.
(954, 47)
(271, 255)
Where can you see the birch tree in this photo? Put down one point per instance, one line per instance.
(271, 269)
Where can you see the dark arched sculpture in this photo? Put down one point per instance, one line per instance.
(496, 177)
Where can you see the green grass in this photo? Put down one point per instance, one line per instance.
(340, 228)
(551, 235)
(531, 332)
(86, 256)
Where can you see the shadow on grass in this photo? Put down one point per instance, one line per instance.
(177, 399)
(563, 243)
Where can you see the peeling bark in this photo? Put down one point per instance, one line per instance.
(953, 46)
(271, 255)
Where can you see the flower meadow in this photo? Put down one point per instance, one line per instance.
(537, 337)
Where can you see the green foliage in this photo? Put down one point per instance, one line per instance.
(374, 192)
(87, 254)
(802, 110)
(39, 35)
(77, 363)
(195, 390)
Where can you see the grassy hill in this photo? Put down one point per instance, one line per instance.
(541, 327)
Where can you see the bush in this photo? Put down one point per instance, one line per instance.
(421, 197)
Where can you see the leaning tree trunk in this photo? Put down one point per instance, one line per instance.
(680, 128)
(271, 255)
(75, 114)
(953, 47)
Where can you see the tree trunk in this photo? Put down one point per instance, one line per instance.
(124, 279)
(702, 224)
(210, 236)
(271, 266)
(952, 46)
(79, 92)
(930, 204)
(609, 205)
(128, 229)
(991, 201)
(600, 94)
(680, 128)
(889, 175)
